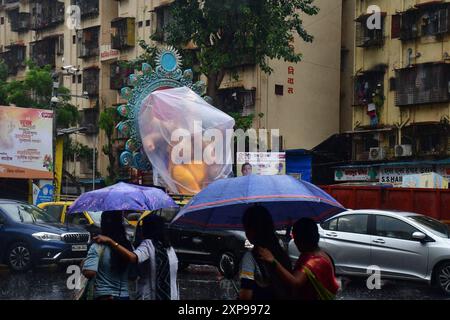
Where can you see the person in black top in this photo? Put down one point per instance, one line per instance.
(258, 279)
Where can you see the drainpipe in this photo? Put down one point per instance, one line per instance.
(400, 125)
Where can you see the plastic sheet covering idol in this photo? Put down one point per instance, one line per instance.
(185, 139)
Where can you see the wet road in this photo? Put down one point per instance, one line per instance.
(196, 283)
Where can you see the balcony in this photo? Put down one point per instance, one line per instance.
(46, 14)
(366, 37)
(89, 8)
(366, 85)
(163, 19)
(89, 42)
(91, 81)
(119, 76)
(427, 19)
(423, 84)
(238, 100)
(43, 52)
(89, 120)
(11, 4)
(20, 21)
(14, 58)
(123, 33)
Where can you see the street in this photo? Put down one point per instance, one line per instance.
(196, 283)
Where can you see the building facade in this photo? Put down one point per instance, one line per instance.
(302, 100)
(401, 92)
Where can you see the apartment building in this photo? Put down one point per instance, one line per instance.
(302, 100)
(401, 93)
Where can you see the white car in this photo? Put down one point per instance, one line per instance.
(403, 245)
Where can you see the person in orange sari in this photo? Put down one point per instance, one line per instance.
(313, 277)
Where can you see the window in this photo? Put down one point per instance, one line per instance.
(279, 90)
(74, 39)
(54, 211)
(74, 78)
(367, 37)
(123, 33)
(393, 228)
(75, 218)
(422, 84)
(80, 78)
(366, 85)
(330, 225)
(163, 18)
(2, 20)
(140, 24)
(353, 224)
(147, 23)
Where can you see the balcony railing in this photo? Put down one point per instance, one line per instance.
(14, 58)
(366, 37)
(20, 21)
(422, 84)
(427, 19)
(366, 85)
(88, 8)
(47, 14)
(123, 33)
(44, 52)
(89, 42)
(91, 82)
(119, 76)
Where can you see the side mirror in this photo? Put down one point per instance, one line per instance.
(419, 236)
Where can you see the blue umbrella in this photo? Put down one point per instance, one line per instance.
(123, 197)
(222, 204)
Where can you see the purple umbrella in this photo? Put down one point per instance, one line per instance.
(123, 197)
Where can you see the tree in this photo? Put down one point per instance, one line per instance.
(107, 122)
(228, 32)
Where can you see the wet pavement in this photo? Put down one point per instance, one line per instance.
(196, 283)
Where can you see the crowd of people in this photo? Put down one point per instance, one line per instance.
(151, 263)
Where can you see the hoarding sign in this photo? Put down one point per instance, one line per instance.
(43, 192)
(106, 53)
(263, 163)
(395, 175)
(26, 143)
(356, 174)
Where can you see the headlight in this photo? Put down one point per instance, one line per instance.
(248, 245)
(45, 236)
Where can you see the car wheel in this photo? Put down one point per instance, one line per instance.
(19, 257)
(443, 278)
(225, 259)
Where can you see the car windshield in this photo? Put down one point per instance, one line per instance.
(96, 216)
(26, 213)
(435, 226)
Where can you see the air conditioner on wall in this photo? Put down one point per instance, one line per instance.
(376, 154)
(403, 151)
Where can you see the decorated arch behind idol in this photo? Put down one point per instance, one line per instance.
(162, 101)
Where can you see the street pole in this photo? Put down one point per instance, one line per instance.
(94, 164)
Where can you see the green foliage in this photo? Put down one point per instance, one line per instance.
(230, 31)
(107, 121)
(242, 122)
(67, 115)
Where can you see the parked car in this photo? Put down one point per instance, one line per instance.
(89, 220)
(403, 245)
(29, 236)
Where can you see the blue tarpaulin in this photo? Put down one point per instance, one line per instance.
(299, 162)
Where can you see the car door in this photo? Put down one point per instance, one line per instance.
(395, 251)
(3, 236)
(347, 240)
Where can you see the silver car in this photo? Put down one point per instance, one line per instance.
(403, 245)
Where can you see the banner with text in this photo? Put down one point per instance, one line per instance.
(26, 143)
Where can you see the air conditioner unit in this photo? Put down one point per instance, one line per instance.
(376, 154)
(403, 151)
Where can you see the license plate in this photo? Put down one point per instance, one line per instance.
(78, 248)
